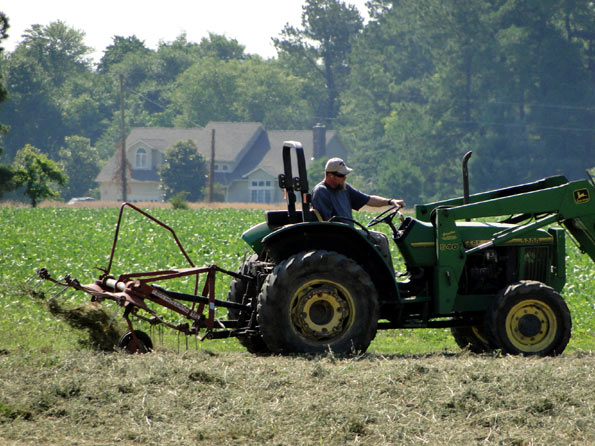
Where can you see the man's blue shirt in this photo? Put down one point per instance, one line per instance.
(330, 202)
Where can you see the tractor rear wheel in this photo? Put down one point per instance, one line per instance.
(529, 318)
(318, 301)
(474, 338)
(237, 290)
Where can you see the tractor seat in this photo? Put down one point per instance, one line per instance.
(282, 218)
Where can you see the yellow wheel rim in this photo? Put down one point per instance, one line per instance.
(321, 309)
(531, 326)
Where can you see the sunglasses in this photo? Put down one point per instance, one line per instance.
(338, 175)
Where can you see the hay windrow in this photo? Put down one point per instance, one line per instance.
(195, 398)
(102, 328)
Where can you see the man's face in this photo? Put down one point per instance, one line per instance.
(335, 180)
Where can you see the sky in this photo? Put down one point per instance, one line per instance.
(251, 22)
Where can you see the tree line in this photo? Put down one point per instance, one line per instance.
(409, 91)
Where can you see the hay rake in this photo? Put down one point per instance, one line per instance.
(133, 291)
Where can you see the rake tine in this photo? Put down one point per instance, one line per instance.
(51, 288)
(59, 293)
(32, 278)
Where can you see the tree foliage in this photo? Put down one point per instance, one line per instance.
(184, 170)
(323, 45)
(38, 174)
(508, 80)
(6, 173)
(410, 91)
(81, 163)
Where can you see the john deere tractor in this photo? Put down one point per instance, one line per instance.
(311, 286)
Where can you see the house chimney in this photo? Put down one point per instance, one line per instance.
(319, 141)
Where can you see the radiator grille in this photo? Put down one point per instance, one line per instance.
(536, 263)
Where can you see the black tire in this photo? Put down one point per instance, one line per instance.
(237, 290)
(529, 318)
(318, 301)
(474, 338)
(143, 343)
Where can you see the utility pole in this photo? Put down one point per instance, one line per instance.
(211, 168)
(123, 141)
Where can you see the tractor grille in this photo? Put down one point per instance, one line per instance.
(536, 263)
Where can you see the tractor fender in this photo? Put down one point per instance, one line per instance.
(337, 237)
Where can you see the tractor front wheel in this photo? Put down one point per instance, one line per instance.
(318, 301)
(529, 318)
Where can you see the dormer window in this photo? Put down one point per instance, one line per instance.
(141, 159)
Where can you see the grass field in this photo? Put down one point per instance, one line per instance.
(412, 387)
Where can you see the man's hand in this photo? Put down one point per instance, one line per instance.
(395, 202)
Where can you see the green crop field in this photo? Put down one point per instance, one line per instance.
(412, 387)
(75, 241)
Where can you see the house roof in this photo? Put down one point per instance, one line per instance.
(273, 160)
(232, 141)
(245, 145)
(230, 138)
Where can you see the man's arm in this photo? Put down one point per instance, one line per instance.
(378, 201)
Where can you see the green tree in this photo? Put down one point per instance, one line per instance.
(323, 45)
(58, 49)
(267, 93)
(31, 111)
(6, 173)
(176, 57)
(119, 49)
(220, 47)
(81, 164)
(433, 79)
(184, 170)
(207, 92)
(50, 83)
(38, 174)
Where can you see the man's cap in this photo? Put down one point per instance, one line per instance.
(337, 165)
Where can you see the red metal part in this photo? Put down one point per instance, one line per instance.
(132, 290)
(150, 217)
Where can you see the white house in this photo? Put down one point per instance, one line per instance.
(248, 159)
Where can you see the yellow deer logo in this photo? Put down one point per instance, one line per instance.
(581, 196)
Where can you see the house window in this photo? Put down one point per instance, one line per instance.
(261, 191)
(141, 159)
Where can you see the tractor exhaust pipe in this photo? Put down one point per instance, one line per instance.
(466, 179)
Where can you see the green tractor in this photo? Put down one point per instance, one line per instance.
(315, 286)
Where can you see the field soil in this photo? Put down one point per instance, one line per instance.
(201, 397)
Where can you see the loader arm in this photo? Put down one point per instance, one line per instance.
(571, 204)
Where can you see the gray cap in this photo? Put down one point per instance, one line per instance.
(337, 165)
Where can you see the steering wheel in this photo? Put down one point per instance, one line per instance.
(386, 216)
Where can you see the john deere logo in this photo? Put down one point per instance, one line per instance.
(581, 196)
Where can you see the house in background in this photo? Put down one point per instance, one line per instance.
(248, 159)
